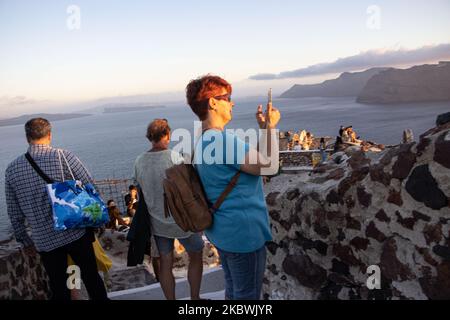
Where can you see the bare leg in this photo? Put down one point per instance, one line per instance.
(156, 267)
(195, 272)
(166, 278)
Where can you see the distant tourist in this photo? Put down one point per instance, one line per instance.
(322, 149)
(131, 200)
(350, 136)
(302, 136)
(338, 145)
(297, 146)
(149, 172)
(27, 199)
(115, 218)
(341, 131)
(308, 140)
(241, 225)
(346, 134)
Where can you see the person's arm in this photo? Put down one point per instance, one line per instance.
(130, 201)
(116, 214)
(266, 163)
(17, 219)
(121, 221)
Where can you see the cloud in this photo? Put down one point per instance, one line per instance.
(364, 60)
(15, 101)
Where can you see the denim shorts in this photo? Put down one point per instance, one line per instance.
(193, 243)
(244, 273)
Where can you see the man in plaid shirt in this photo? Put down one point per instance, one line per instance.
(27, 198)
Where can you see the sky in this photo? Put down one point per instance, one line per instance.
(56, 53)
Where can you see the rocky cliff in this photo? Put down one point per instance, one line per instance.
(348, 84)
(390, 211)
(416, 84)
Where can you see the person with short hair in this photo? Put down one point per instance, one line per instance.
(27, 199)
(149, 172)
(131, 200)
(240, 226)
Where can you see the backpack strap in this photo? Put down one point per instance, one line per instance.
(226, 192)
(37, 169)
(229, 187)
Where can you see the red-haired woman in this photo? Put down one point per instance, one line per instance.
(240, 227)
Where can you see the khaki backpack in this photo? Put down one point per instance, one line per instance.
(185, 199)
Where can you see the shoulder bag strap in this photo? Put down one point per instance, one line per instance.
(60, 152)
(37, 169)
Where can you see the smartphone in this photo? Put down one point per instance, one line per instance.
(269, 98)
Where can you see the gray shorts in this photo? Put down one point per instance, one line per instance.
(194, 243)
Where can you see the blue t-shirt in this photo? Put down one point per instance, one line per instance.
(241, 224)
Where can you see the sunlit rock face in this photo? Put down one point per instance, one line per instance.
(390, 210)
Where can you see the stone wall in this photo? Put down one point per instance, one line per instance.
(389, 209)
(21, 276)
(296, 159)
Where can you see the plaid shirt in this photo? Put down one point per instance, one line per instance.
(27, 198)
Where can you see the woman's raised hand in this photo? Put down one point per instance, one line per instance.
(269, 119)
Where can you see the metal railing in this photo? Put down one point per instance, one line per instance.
(114, 189)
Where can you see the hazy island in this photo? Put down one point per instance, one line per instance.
(49, 116)
(129, 109)
(424, 83)
(348, 84)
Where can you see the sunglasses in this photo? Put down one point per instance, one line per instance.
(226, 97)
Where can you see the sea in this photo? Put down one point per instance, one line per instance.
(108, 143)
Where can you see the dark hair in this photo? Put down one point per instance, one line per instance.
(109, 201)
(37, 128)
(132, 187)
(157, 129)
(198, 92)
(322, 139)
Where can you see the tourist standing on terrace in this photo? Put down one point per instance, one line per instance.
(149, 172)
(240, 226)
(131, 200)
(27, 198)
(322, 148)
